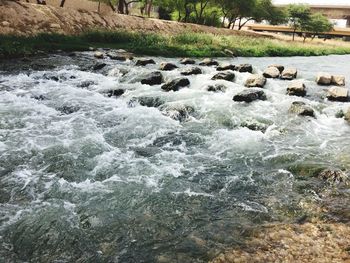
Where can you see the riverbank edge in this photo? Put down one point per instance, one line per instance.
(187, 44)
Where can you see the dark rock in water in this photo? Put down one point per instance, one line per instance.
(144, 62)
(146, 151)
(115, 92)
(154, 102)
(229, 76)
(177, 112)
(72, 54)
(255, 125)
(176, 84)
(99, 66)
(187, 61)
(191, 71)
(297, 88)
(300, 108)
(68, 109)
(250, 95)
(224, 67)
(208, 62)
(217, 88)
(333, 176)
(324, 79)
(154, 78)
(245, 68)
(167, 66)
(39, 97)
(86, 84)
(255, 81)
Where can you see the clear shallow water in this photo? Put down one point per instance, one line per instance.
(88, 178)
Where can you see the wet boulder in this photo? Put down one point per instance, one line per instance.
(296, 88)
(338, 80)
(191, 71)
(226, 66)
(115, 92)
(279, 67)
(68, 109)
(166, 66)
(208, 62)
(154, 78)
(217, 88)
(99, 66)
(300, 108)
(245, 68)
(98, 55)
(177, 112)
(338, 94)
(271, 72)
(255, 81)
(250, 95)
(176, 84)
(151, 102)
(144, 62)
(347, 115)
(229, 76)
(119, 56)
(324, 79)
(289, 73)
(187, 61)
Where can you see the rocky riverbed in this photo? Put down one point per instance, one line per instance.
(107, 157)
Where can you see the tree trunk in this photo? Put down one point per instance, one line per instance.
(62, 3)
(111, 6)
(149, 7)
(99, 7)
(121, 6)
(295, 30)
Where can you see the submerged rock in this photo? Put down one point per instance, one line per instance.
(338, 94)
(144, 62)
(271, 72)
(167, 66)
(191, 71)
(250, 95)
(338, 80)
(255, 81)
(296, 88)
(333, 176)
(151, 102)
(217, 88)
(154, 78)
(226, 66)
(67, 109)
(177, 111)
(289, 73)
(245, 68)
(115, 92)
(187, 61)
(324, 79)
(229, 76)
(98, 55)
(208, 62)
(254, 125)
(300, 108)
(176, 84)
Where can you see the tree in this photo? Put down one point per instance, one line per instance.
(299, 16)
(316, 24)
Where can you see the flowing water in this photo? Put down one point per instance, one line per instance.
(89, 178)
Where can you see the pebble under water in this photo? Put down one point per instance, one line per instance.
(154, 176)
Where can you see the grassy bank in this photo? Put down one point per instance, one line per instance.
(187, 44)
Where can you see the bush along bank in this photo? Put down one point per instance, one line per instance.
(187, 44)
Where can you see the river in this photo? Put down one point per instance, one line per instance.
(89, 178)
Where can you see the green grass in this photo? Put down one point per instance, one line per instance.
(186, 44)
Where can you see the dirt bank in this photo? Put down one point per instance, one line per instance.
(29, 19)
